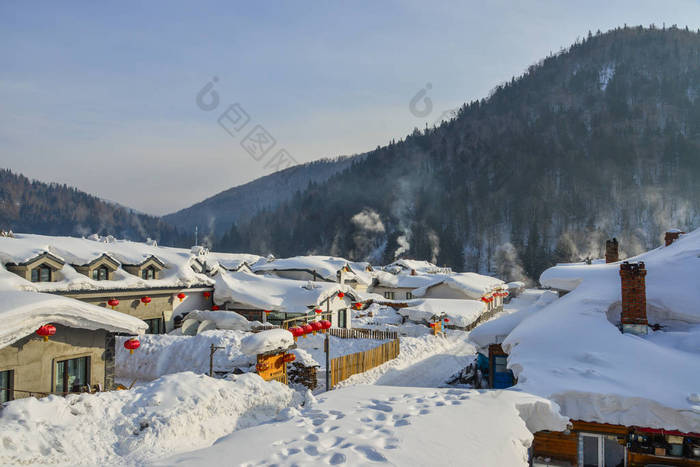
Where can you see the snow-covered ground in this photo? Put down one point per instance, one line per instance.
(367, 425)
(176, 413)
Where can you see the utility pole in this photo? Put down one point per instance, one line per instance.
(328, 347)
(212, 349)
(196, 231)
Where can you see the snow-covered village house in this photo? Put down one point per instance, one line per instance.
(319, 269)
(398, 286)
(274, 300)
(56, 345)
(142, 280)
(618, 353)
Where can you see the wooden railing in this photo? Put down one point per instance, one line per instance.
(344, 367)
(359, 333)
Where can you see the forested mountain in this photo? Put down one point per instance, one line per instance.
(216, 214)
(599, 140)
(53, 209)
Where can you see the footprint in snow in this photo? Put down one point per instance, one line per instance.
(382, 407)
(311, 450)
(337, 458)
(370, 453)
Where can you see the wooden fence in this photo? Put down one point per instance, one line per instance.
(344, 367)
(358, 333)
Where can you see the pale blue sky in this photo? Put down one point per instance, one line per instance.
(102, 97)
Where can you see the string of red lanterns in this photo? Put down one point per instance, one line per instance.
(310, 328)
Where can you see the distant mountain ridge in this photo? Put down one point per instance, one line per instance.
(238, 204)
(54, 209)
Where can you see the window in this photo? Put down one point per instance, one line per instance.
(276, 318)
(100, 274)
(72, 374)
(409, 295)
(343, 318)
(600, 451)
(41, 274)
(500, 363)
(154, 325)
(389, 295)
(6, 386)
(148, 273)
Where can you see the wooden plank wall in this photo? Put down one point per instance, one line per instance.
(556, 445)
(344, 367)
(359, 333)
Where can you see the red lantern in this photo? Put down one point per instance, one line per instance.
(326, 324)
(267, 312)
(432, 325)
(132, 344)
(181, 296)
(296, 332)
(318, 311)
(484, 299)
(206, 294)
(341, 294)
(113, 303)
(215, 307)
(308, 329)
(46, 330)
(317, 326)
(146, 300)
(289, 358)
(261, 367)
(446, 320)
(358, 305)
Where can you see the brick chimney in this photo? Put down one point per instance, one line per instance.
(611, 251)
(634, 298)
(672, 235)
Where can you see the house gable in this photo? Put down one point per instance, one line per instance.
(45, 259)
(150, 262)
(103, 260)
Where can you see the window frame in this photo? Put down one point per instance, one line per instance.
(389, 295)
(409, 295)
(36, 273)
(146, 270)
(66, 389)
(159, 322)
(96, 273)
(601, 438)
(9, 390)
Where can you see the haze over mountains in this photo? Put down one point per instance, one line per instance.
(597, 141)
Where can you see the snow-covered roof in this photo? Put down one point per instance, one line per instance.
(573, 353)
(472, 284)
(177, 262)
(519, 309)
(405, 266)
(326, 267)
(387, 279)
(233, 261)
(461, 313)
(22, 313)
(267, 341)
(271, 293)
